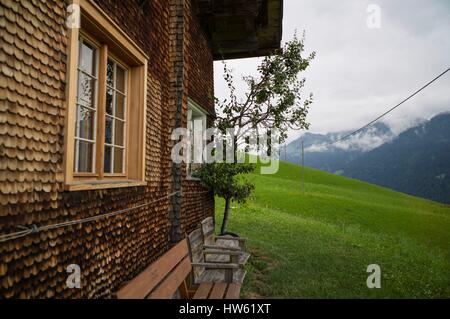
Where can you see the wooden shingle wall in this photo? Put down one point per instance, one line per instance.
(32, 57)
(109, 251)
(199, 86)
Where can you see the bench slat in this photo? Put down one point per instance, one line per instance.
(203, 291)
(234, 291)
(170, 285)
(207, 225)
(218, 290)
(146, 281)
(196, 235)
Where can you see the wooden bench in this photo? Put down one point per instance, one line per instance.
(211, 241)
(215, 257)
(168, 277)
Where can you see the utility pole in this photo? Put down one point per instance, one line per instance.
(285, 152)
(303, 168)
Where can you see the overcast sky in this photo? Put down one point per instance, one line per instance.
(360, 72)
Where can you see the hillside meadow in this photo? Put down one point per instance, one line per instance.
(318, 243)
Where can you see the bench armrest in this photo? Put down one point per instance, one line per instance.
(229, 269)
(222, 252)
(223, 247)
(243, 239)
(217, 266)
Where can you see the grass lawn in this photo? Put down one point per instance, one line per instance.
(319, 244)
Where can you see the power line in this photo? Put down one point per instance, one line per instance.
(387, 112)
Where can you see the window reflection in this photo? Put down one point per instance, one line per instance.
(84, 152)
(115, 124)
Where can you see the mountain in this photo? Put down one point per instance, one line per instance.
(417, 162)
(333, 158)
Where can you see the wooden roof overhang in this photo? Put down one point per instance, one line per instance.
(242, 28)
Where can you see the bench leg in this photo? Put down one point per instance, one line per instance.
(184, 292)
(228, 275)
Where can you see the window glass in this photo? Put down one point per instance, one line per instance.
(108, 160)
(196, 127)
(109, 101)
(120, 79)
(198, 139)
(118, 160)
(85, 125)
(86, 156)
(110, 74)
(115, 124)
(109, 130)
(87, 58)
(120, 106)
(119, 132)
(86, 89)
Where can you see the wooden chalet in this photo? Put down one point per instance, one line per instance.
(87, 108)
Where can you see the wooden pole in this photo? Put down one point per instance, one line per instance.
(303, 168)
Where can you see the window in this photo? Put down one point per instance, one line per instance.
(106, 100)
(196, 127)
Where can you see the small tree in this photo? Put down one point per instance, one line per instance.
(273, 101)
(226, 180)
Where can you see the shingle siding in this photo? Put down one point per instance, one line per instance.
(32, 118)
(199, 87)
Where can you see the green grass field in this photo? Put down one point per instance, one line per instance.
(318, 244)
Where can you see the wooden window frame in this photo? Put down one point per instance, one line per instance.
(114, 44)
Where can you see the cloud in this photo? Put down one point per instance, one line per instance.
(365, 141)
(359, 72)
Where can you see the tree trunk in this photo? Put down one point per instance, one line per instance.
(225, 216)
(235, 149)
